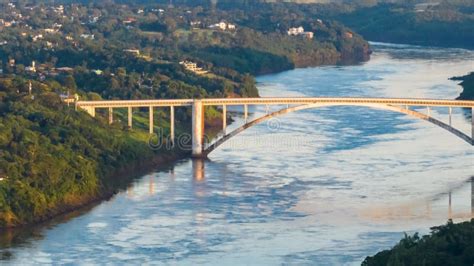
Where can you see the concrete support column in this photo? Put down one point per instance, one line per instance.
(111, 115)
(130, 117)
(450, 116)
(150, 112)
(224, 117)
(172, 124)
(198, 128)
(428, 111)
(246, 113)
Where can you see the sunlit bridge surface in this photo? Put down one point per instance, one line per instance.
(321, 186)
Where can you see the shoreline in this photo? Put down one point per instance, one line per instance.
(113, 184)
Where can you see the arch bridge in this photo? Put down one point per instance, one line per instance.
(288, 105)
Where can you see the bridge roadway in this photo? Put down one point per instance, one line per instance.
(292, 104)
(274, 101)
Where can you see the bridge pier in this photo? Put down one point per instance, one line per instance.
(150, 112)
(111, 115)
(198, 129)
(172, 124)
(246, 113)
(450, 116)
(130, 117)
(224, 117)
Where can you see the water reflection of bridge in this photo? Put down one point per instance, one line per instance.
(377, 213)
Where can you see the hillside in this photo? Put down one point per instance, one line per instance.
(450, 244)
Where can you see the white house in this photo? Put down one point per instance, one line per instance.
(195, 24)
(300, 32)
(223, 26)
(37, 37)
(295, 31)
(88, 36)
(220, 25)
(191, 66)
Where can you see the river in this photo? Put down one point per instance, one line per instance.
(321, 187)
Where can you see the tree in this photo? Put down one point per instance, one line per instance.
(70, 84)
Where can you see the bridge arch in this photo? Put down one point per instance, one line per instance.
(288, 110)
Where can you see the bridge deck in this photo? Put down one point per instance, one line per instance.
(276, 101)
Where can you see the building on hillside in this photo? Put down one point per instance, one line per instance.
(37, 37)
(195, 24)
(129, 21)
(308, 35)
(88, 36)
(295, 31)
(132, 51)
(49, 30)
(220, 25)
(223, 26)
(299, 31)
(191, 66)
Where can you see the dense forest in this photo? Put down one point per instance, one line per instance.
(445, 23)
(54, 158)
(450, 244)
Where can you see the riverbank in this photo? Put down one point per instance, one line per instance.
(467, 82)
(450, 244)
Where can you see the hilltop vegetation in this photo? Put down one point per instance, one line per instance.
(445, 23)
(450, 244)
